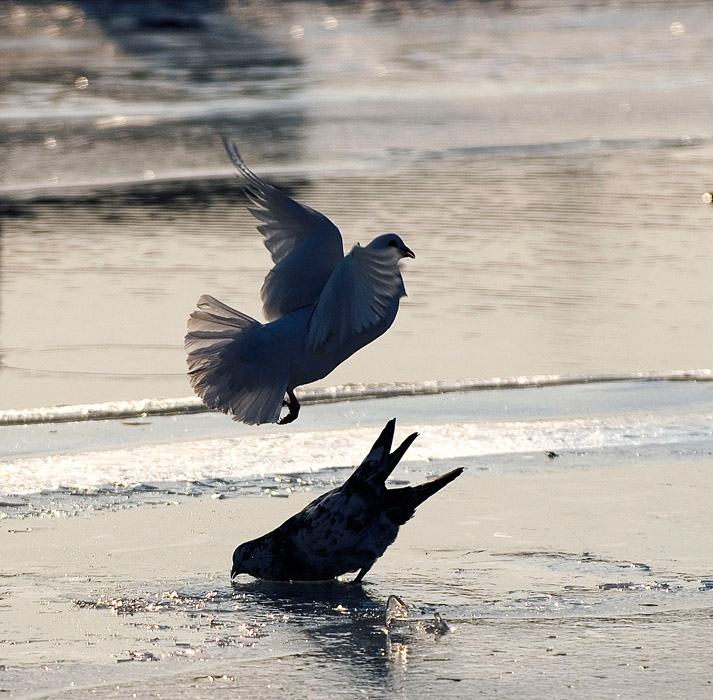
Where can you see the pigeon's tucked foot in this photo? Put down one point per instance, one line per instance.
(293, 408)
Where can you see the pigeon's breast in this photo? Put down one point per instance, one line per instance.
(311, 365)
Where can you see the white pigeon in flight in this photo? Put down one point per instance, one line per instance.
(321, 307)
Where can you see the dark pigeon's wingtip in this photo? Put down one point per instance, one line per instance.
(400, 451)
(379, 451)
(387, 434)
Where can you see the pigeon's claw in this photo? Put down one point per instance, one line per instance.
(288, 418)
(293, 408)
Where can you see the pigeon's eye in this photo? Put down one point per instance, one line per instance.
(393, 244)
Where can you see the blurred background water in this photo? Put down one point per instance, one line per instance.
(545, 161)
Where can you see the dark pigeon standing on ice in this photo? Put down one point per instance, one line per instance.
(322, 306)
(344, 530)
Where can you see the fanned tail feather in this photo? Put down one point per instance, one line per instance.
(402, 503)
(425, 491)
(221, 368)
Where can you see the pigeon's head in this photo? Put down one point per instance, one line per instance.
(392, 242)
(251, 558)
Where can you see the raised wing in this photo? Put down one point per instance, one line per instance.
(380, 462)
(304, 244)
(362, 293)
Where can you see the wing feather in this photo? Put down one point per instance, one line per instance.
(305, 245)
(358, 296)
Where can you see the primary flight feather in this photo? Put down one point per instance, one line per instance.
(344, 530)
(321, 307)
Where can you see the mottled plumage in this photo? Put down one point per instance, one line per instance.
(321, 306)
(344, 530)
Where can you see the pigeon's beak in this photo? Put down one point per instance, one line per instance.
(407, 252)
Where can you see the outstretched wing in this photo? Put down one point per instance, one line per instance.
(360, 294)
(304, 244)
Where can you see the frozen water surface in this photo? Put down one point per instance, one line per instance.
(545, 162)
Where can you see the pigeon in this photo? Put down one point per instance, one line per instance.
(346, 529)
(321, 307)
